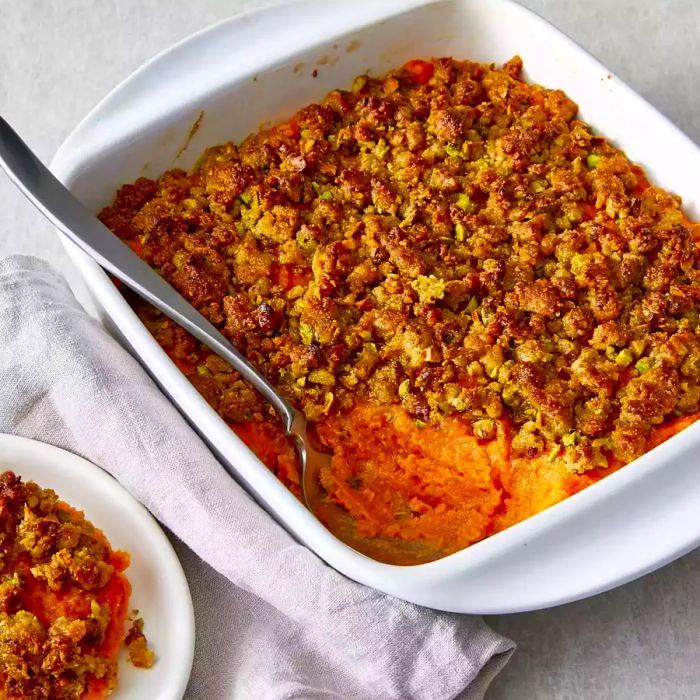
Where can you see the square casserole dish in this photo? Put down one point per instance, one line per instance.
(261, 67)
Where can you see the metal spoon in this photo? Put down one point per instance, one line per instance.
(82, 227)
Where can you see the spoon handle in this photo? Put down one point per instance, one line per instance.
(67, 214)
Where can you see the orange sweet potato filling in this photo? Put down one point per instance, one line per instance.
(437, 484)
(63, 598)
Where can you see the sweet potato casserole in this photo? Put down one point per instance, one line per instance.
(63, 600)
(482, 305)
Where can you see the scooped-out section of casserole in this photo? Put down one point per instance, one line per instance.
(481, 304)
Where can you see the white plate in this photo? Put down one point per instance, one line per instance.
(159, 587)
(266, 65)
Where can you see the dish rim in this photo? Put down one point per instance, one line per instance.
(497, 545)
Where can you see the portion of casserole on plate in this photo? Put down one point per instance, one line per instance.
(483, 306)
(63, 600)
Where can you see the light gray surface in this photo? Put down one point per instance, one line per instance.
(58, 58)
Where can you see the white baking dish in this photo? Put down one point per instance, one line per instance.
(262, 67)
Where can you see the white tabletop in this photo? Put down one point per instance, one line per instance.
(57, 59)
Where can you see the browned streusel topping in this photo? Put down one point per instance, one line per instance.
(137, 644)
(61, 598)
(448, 237)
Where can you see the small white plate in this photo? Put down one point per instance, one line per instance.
(159, 588)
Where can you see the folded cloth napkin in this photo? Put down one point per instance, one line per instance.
(273, 621)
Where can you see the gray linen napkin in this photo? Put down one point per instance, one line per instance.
(273, 621)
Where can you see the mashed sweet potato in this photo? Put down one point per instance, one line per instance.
(482, 305)
(63, 598)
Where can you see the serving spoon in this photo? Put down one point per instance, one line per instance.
(84, 229)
